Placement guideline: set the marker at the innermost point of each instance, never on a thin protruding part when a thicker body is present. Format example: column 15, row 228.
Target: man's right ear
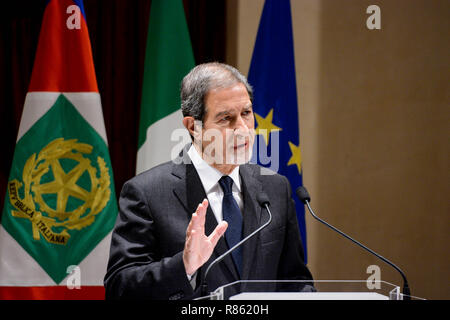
column 195, row 128
column 189, row 124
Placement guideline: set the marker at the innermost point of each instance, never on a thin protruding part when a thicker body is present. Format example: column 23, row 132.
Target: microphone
column 263, row 201
column 304, row 197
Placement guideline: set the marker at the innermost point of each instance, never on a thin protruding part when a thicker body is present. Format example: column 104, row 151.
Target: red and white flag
column 60, row 204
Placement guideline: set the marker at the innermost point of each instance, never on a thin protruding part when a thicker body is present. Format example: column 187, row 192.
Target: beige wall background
column 374, row 128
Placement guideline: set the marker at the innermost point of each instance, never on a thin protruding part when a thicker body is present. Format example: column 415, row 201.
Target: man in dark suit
column 176, row 218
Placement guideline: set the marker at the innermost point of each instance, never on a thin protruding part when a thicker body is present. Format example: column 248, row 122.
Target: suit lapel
column 252, row 216
column 190, row 192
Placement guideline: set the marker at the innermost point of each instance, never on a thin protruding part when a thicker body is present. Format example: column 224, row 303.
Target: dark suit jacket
column 155, row 209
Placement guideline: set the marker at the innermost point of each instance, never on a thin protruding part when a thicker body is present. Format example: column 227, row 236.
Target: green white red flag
column 60, row 204
column 168, row 58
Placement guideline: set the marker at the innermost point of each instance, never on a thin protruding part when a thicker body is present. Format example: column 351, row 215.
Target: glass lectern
column 301, row 290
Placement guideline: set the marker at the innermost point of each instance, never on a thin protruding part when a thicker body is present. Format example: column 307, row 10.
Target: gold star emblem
column 65, row 184
column 265, row 125
column 296, row 157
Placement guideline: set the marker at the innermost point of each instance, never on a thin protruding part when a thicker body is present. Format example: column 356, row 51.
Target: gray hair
column 203, row 78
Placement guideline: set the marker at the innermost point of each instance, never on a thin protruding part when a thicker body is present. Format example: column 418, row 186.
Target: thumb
column 218, row 232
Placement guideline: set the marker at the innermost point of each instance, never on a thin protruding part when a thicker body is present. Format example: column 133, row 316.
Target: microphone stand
column 406, row 290
column 204, row 285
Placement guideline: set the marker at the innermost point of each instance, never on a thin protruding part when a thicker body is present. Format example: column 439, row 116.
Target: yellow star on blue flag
column 272, row 76
column 265, row 125
column 296, row 157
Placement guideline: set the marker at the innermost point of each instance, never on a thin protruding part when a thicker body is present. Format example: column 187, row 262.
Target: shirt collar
column 208, row 175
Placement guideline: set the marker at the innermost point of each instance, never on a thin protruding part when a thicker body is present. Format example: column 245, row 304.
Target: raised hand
column 199, row 247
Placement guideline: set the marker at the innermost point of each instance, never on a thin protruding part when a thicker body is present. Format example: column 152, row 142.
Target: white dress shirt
column 210, row 177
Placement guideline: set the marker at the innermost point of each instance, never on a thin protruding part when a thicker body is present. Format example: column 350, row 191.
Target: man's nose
column 240, row 125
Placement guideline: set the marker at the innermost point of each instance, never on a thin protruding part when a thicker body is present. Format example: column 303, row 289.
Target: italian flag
column 168, row 58
column 60, row 204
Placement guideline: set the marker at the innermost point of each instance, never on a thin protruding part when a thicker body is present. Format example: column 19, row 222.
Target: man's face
column 228, row 127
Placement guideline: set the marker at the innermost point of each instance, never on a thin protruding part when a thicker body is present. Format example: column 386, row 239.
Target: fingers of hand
column 218, row 232
column 198, row 217
column 197, row 223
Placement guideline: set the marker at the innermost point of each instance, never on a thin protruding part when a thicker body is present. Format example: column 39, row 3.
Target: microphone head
column 262, row 198
column 303, row 194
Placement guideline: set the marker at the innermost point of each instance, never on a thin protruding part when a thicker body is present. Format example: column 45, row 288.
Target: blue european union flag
column 272, row 75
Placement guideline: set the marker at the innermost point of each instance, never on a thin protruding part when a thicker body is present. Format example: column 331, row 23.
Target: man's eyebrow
column 227, row 112
column 222, row 113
